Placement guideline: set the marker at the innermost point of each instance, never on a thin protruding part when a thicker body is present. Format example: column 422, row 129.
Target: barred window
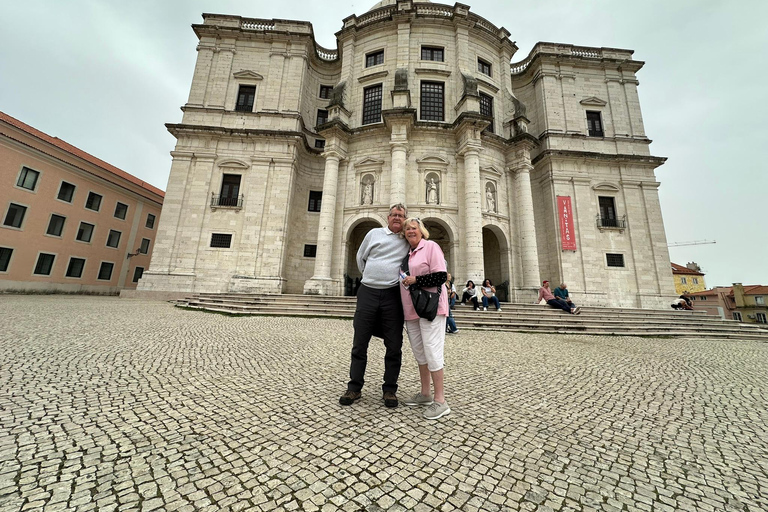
column 486, row 109
column 594, row 124
column 432, row 101
column 325, row 91
column 315, row 200
column 245, row 98
column 310, row 251
column 615, row 260
column 484, row 67
column 221, row 240
column 319, row 143
column 432, row 53
column 372, row 104
column 374, row 58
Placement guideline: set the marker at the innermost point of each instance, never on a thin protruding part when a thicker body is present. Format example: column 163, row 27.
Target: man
column 379, row 309
column 546, row 294
column 561, row 292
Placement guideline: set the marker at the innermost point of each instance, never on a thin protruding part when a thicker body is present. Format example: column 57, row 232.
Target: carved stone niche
column 432, row 188
column 367, row 179
column 491, row 177
column 432, row 170
column 491, row 197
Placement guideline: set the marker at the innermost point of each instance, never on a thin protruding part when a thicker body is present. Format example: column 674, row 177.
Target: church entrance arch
column 352, row 275
column 496, row 260
column 440, row 233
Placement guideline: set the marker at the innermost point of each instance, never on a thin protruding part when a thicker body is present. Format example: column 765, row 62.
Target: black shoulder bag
column 424, row 302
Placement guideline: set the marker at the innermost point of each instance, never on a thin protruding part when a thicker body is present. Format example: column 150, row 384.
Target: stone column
column 473, row 217
column 397, row 173
column 529, row 254
column 202, row 72
column 222, row 71
column 321, row 282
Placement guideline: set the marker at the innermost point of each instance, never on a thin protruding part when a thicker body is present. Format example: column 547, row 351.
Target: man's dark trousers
column 378, row 312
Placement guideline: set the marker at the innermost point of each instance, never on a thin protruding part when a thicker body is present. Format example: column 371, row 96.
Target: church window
column 230, row 190
column 607, row 212
column 325, row 91
column 486, row 109
column 221, row 240
column 594, row 124
column 322, row 116
column 432, row 101
column 319, row 143
column 310, row 251
column 615, row 260
column 432, row 53
column 484, row 67
column 372, row 104
column 245, row 98
column 315, row 200
column 374, row 58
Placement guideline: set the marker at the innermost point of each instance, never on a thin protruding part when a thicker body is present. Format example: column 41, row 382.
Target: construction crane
column 694, row 242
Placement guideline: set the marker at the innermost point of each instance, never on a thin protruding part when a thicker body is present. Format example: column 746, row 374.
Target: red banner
column 565, row 212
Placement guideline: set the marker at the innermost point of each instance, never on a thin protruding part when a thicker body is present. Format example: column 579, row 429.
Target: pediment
column 432, row 161
column 233, row 164
column 369, row 162
column 491, row 170
column 248, row 74
column 594, row 100
column 605, row 186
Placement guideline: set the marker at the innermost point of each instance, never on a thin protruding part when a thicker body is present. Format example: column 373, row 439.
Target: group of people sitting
column 559, row 299
column 486, row 296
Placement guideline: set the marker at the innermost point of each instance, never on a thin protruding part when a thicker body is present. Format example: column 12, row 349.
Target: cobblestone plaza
column 115, row 404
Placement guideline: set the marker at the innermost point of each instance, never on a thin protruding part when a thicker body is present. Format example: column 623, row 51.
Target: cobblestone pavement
column 109, row 404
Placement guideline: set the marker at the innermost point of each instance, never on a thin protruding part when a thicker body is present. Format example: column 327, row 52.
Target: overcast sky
column 106, row 75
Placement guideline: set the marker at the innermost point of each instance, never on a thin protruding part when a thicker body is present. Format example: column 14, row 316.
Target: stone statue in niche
column 490, row 199
column 432, row 192
column 367, row 192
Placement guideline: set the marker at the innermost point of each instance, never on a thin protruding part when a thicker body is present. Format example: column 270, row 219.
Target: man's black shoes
column 390, row 399
column 349, row 397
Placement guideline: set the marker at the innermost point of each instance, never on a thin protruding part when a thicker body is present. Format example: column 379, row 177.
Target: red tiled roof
column 756, row 289
column 79, row 153
column 679, row 269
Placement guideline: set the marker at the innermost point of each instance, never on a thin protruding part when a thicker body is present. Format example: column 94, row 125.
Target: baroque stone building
column 289, row 153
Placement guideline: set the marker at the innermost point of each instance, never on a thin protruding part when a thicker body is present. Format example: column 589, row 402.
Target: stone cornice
column 217, row 131
column 549, row 154
column 373, row 77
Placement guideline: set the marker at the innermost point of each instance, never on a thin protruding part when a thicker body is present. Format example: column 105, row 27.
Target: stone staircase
column 513, row 317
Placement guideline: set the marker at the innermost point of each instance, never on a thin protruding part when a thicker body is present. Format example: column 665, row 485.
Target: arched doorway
column 352, row 275
column 496, row 260
column 441, row 234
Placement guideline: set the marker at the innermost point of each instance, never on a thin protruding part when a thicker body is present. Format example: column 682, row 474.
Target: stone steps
column 513, row 317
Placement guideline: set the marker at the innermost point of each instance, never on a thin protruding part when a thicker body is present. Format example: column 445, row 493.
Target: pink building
column 738, row 302
column 69, row 221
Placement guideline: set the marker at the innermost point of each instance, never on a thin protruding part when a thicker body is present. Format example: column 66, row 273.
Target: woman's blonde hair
column 422, row 227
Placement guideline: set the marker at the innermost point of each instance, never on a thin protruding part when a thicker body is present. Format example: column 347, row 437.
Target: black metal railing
column 217, row 200
column 611, row 222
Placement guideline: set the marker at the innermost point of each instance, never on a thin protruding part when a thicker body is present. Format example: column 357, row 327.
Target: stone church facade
column 289, row 153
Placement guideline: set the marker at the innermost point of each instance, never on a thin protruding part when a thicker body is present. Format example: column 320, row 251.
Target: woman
column 489, row 295
column 469, row 293
column 426, row 269
column 450, row 290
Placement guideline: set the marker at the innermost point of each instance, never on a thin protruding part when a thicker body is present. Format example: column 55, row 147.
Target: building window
column 432, row 100
column 760, row 300
column 320, row 143
column 75, row 267
column 105, row 271
column 615, row 260
column 55, row 225
column 325, row 91
column 113, row 240
column 683, row 280
column 66, row 192
column 85, row 232
column 703, row 297
column 121, row 210
column 150, row 221
column 310, row 251
column 221, row 240
column 144, row 248
column 315, row 200
column 737, row 316
column 245, row 97
column 372, row 104
column 28, row 178
column 432, row 53
column 322, row 116
column 230, row 190
column 484, row 67
column 594, row 124
column 5, row 258
column 137, row 273
column 44, row 264
column 761, row 318
column 607, row 206
column 93, row 202
column 15, row 216
column 486, row 109
column 374, row 58
column 695, row 280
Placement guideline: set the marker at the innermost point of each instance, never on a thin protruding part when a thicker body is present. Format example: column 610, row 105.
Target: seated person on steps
column 546, row 294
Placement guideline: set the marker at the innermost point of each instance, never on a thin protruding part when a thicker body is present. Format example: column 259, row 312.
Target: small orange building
column 69, row 221
column 688, row 279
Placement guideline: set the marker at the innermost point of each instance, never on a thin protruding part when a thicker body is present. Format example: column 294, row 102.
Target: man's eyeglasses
column 397, row 215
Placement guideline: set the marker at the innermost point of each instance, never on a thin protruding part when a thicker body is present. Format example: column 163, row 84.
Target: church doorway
column 352, row 275
column 441, row 235
column 496, row 260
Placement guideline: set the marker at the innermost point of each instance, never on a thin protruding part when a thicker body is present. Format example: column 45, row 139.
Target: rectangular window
column 66, row 192
column 221, row 240
column 144, row 249
column 432, row 53
column 5, row 258
column 372, row 104
column 737, row 316
column 315, row 200
column 320, row 143
column 15, row 215
column 703, row 297
column 486, row 109
column 484, row 66
column 607, row 211
column 695, row 280
column 374, row 58
column 121, row 210
column 322, row 116
column 28, row 178
column 310, row 251
column 761, row 318
column 75, row 267
column 113, row 240
column 325, row 91
column 93, row 202
column 245, row 98
column 230, row 190
column 615, row 260
column 137, row 273
column 594, row 124
column 150, row 221
column 44, row 264
column 760, row 300
column 84, row 232
column 432, row 101
column 683, row 280
column 55, row 225
column 105, row 271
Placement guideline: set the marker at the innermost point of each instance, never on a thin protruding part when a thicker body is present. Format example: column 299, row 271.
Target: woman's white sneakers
column 437, row 410
column 418, row 399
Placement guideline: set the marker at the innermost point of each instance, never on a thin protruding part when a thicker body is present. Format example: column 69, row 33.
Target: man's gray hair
column 399, row 206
